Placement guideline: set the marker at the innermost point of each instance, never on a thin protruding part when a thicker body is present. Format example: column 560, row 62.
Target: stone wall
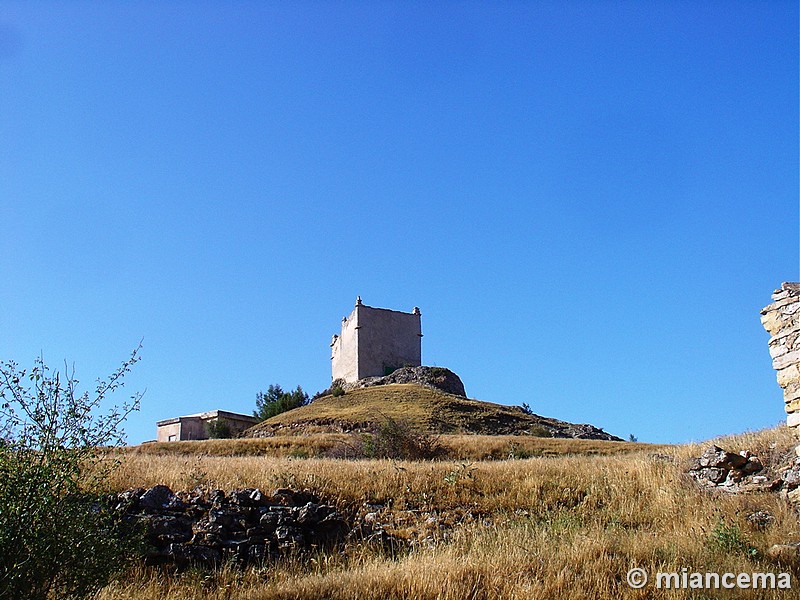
column 782, row 320
column 244, row 526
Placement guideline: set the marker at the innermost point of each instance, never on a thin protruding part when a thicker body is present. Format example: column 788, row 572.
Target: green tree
column 56, row 539
column 275, row 401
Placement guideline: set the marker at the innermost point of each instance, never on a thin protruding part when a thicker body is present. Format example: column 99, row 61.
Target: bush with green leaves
column 400, row 440
column 729, row 539
column 219, row 429
column 57, row 540
column 275, row 401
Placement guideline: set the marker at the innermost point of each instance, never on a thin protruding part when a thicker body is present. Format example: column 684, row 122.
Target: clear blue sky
column 589, row 201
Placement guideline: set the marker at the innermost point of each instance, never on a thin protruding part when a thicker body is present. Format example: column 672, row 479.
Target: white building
column 195, row 427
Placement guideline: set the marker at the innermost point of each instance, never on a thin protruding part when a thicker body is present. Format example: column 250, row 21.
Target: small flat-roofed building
column 196, row 427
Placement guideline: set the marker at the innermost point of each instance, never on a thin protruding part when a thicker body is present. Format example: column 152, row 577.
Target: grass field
column 566, row 525
column 455, row 446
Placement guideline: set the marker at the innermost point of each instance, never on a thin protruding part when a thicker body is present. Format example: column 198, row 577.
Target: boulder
column 160, row 497
column 434, row 377
column 716, row 457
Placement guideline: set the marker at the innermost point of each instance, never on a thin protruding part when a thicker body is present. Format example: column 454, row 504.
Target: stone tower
column 376, row 341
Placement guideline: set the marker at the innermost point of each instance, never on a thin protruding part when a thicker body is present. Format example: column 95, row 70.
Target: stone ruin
column 244, row 526
column 208, row 529
column 782, row 320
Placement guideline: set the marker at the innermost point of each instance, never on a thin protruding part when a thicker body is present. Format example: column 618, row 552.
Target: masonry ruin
column 782, row 320
column 376, row 341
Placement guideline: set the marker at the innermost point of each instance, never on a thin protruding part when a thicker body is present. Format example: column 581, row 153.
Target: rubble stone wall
column 782, row 320
column 245, row 526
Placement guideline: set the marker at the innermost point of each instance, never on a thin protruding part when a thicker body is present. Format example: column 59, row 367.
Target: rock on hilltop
column 433, row 377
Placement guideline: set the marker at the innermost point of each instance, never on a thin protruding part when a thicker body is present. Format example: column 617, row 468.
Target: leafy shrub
column 392, row 439
column 515, row 451
column 219, row 429
column 729, row 538
column 57, row 540
column 276, row 401
column 336, row 389
column 540, row 431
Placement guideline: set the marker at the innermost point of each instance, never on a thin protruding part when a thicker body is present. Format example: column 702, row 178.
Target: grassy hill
column 425, row 408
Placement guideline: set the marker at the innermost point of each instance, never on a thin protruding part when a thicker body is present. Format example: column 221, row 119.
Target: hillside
column 426, row 408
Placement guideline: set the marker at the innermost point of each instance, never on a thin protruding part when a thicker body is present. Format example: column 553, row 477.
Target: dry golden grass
column 456, row 446
column 425, row 408
column 547, row 527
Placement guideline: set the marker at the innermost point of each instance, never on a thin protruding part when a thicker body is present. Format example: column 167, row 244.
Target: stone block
column 780, row 294
column 789, row 308
column 779, row 349
column 792, row 406
column 772, row 321
column 785, row 301
column 791, row 392
column 781, row 336
column 790, row 374
column 792, row 342
column 793, row 419
column 786, row 360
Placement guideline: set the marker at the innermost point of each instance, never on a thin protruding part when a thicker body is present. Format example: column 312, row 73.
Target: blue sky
column 589, row 201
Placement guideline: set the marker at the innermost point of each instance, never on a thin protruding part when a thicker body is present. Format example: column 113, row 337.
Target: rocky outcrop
column 728, row 471
column 782, row 320
column 581, row 431
column 433, row 377
column 243, row 526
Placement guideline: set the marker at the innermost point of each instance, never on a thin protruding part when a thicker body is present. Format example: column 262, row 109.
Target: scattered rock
column 791, row 478
column 787, row 554
column 716, row 457
column 760, row 520
column 716, row 467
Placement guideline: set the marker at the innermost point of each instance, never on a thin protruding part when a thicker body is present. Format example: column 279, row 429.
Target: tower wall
column 375, row 342
column 344, row 350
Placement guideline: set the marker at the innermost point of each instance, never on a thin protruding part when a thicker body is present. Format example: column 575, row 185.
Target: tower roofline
column 414, row 311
